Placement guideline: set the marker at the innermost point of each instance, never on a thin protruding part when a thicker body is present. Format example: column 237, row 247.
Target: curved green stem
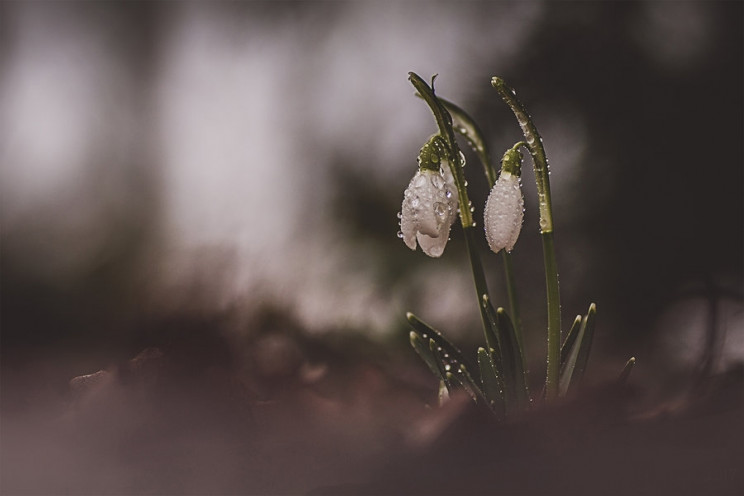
column 444, row 122
column 535, row 146
column 511, row 293
column 466, row 126
column 540, row 162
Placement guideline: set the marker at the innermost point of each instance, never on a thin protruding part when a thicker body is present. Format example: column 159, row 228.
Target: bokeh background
column 220, row 173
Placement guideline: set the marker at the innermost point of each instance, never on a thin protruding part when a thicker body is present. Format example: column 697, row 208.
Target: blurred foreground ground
column 290, row 415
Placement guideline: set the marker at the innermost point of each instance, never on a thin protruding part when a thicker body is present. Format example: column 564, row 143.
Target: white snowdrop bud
column 428, row 212
column 504, row 212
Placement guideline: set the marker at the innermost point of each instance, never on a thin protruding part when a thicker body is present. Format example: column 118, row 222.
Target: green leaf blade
column 422, row 348
column 573, row 370
column 442, row 357
column 451, row 354
column 492, row 385
column 516, row 361
column 570, row 339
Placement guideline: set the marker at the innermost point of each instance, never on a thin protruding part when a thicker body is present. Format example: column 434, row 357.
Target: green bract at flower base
column 428, row 211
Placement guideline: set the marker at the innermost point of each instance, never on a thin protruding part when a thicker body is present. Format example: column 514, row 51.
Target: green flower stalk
column 540, row 163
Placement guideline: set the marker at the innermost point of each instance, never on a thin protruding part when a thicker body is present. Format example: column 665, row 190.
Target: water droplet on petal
column 437, row 181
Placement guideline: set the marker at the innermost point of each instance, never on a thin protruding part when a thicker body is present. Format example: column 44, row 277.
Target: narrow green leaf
column 445, row 356
column 573, row 370
column 422, row 348
column 516, row 360
column 492, row 386
column 466, row 126
column 570, row 339
column 466, row 380
column 586, row 346
column 443, row 395
column 493, row 341
column 626, row 371
column 450, row 354
column 442, row 369
column 504, row 359
column 569, row 365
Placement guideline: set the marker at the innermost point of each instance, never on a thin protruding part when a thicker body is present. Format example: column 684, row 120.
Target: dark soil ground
column 287, row 416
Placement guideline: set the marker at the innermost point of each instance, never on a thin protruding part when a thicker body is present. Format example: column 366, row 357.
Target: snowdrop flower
column 429, row 203
column 505, row 206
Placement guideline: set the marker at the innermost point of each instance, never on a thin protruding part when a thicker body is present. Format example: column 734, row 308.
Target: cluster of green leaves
column 501, row 381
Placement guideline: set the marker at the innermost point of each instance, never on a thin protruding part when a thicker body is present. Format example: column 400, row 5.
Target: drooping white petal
column 504, row 213
column 407, row 224
column 427, row 212
column 434, row 247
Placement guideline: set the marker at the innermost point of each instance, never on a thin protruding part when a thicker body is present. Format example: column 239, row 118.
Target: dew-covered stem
column 540, row 163
column 511, row 292
column 455, row 158
column 536, row 149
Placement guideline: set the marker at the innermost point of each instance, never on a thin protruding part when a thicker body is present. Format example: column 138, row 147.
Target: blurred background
column 227, row 174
